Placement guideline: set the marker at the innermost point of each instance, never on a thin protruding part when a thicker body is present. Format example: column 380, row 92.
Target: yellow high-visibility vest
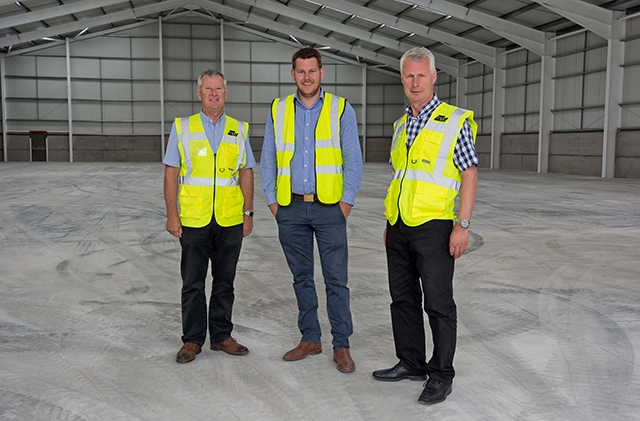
column 425, row 181
column 328, row 153
column 209, row 183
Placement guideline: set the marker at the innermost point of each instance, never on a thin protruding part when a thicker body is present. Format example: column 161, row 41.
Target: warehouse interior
column 548, row 294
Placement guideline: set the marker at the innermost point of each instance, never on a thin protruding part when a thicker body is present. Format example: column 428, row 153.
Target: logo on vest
column 202, row 152
column 232, row 133
column 441, row 118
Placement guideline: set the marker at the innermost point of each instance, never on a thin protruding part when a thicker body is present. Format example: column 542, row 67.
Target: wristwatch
column 248, row 213
column 464, row 223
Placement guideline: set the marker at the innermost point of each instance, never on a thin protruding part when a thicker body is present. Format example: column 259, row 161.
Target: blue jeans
column 297, row 225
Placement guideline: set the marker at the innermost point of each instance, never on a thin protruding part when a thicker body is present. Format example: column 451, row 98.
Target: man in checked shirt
column 433, row 158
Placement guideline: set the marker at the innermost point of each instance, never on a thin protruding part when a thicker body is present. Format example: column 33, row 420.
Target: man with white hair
column 433, row 158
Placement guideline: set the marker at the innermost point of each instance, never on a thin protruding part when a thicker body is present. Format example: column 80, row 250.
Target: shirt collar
column 426, row 110
column 320, row 99
column 207, row 120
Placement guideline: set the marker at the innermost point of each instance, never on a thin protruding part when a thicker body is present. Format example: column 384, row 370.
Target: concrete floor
column 548, row 298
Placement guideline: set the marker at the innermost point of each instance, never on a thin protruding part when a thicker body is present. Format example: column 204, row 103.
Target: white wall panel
column 203, row 49
column 285, row 73
column 21, row 66
column 259, row 114
column 56, row 88
column 237, row 51
column 565, row 92
column 239, row 111
column 394, row 94
column 631, row 116
column 264, row 94
column 265, row 72
column 176, row 48
column 593, row 119
column 144, row 47
column 239, row 92
column 85, row 90
column 211, row 31
column 533, row 97
column 180, row 90
column 146, row 112
column 102, row 47
column 596, row 59
column 48, row 110
column 120, row 111
column 146, row 69
column 84, row 67
column 51, row 66
column 594, row 89
column 352, row 93
column 116, row 90
column 177, row 69
column 330, row 71
column 237, row 72
column 271, row 52
column 21, row 88
column 83, row 110
column 117, row 69
column 348, row 74
column 22, row 109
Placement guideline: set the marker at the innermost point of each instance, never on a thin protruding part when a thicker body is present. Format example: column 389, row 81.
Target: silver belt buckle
column 308, row 198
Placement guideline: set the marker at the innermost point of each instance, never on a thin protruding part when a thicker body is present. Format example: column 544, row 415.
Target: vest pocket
column 429, row 201
column 191, row 201
column 233, row 201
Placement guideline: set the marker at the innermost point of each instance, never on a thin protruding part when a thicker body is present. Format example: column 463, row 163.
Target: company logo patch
column 232, row 133
column 441, row 118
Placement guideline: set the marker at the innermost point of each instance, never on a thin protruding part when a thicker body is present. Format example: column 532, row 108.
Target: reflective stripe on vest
column 328, row 153
column 209, row 184
column 425, row 181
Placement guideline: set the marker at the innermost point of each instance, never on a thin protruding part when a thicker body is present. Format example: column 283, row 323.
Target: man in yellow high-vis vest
column 311, row 166
column 208, row 190
column 434, row 158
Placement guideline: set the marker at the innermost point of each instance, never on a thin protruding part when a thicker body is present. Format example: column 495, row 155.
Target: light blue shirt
column 303, row 177
column 214, row 132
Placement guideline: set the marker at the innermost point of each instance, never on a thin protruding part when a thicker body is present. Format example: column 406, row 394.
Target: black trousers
column 420, row 266
column 221, row 246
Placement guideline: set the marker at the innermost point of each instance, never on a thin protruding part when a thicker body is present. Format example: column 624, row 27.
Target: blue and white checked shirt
column 464, row 154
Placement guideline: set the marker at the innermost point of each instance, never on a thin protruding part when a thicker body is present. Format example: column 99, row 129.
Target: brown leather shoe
column 303, row 350
column 230, row 346
column 188, row 352
column 342, row 358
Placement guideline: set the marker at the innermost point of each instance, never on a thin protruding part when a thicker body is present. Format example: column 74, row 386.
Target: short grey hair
column 212, row 73
column 417, row 54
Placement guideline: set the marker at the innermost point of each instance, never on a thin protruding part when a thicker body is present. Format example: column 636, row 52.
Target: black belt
column 305, row 197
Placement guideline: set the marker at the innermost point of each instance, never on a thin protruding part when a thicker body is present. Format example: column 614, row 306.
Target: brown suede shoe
column 303, row 350
column 342, row 358
column 230, row 346
column 188, row 352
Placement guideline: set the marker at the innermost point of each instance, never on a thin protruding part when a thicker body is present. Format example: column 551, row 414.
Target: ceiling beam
column 351, row 31
column 594, row 18
column 125, row 15
column 528, row 38
column 56, row 11
column 473, row 49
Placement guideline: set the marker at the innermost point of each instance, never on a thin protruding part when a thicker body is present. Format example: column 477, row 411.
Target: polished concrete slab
column 548, row 299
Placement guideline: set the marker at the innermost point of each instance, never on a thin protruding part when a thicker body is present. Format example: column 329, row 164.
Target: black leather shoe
column 434, row 391
column 395, row 373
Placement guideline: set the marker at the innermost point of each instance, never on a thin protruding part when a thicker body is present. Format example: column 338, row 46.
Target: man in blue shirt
column 311, row 166
column 209, row 173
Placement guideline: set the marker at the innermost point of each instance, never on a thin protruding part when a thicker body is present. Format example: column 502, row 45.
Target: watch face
column 464, row 223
